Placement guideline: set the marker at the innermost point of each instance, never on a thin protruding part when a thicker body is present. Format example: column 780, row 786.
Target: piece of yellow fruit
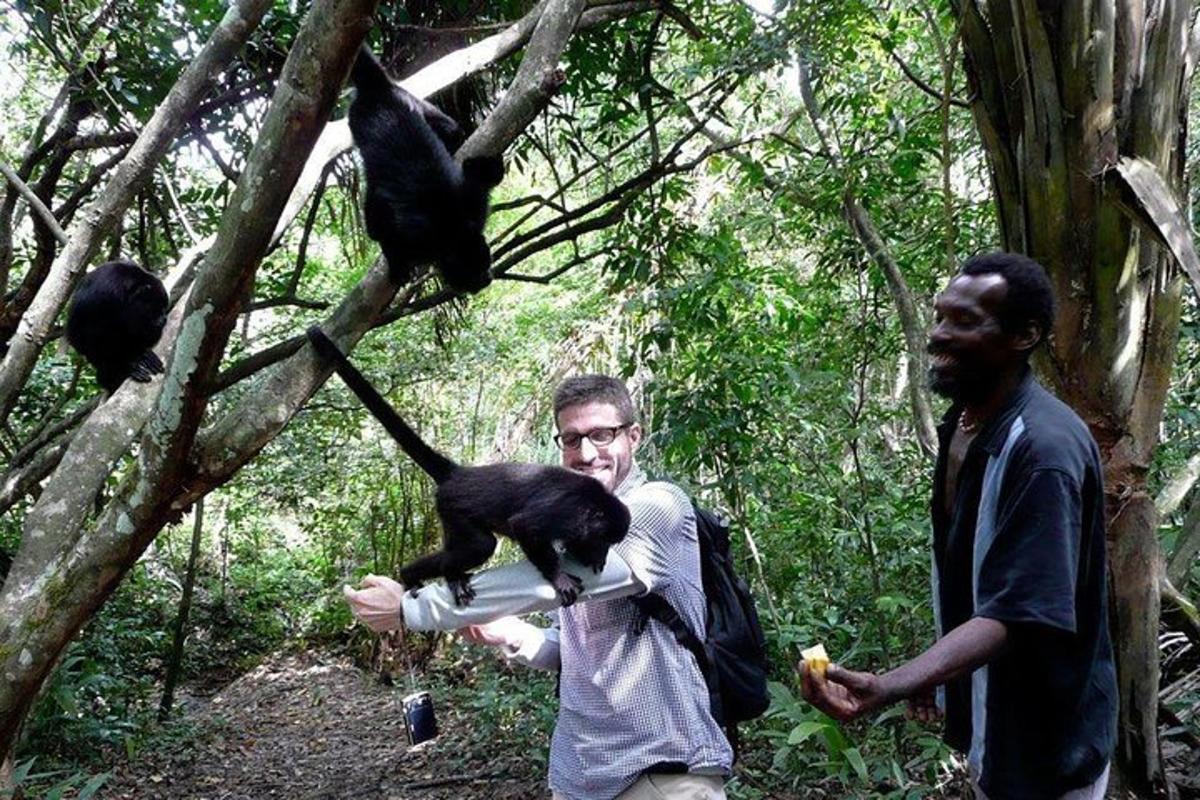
column 816, row 658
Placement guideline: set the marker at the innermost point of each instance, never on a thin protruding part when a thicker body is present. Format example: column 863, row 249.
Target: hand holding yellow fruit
column 817, row 659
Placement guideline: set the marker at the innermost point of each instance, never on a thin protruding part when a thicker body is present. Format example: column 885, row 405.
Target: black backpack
column 733, row 656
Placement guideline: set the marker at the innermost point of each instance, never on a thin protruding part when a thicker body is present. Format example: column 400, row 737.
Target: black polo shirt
column 1024, row 544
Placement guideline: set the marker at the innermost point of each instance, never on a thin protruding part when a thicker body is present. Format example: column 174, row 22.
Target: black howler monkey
column 534, row 504
column 421, row 206
column 116, row 316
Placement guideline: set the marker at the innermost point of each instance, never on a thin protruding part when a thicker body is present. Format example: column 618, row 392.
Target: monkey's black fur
column 534, row 504
column 421, row 206
column 116, row 316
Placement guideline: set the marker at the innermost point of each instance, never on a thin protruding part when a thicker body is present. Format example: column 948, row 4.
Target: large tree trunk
column 1064, row 93
column 69, row 563
column 66, row 568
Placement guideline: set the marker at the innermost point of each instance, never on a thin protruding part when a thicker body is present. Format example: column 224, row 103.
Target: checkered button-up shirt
column 629, row 702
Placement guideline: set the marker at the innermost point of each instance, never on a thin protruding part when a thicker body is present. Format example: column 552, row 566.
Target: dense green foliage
column 760, row 339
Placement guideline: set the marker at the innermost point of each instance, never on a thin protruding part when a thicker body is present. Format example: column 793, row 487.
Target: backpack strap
column 654, row 606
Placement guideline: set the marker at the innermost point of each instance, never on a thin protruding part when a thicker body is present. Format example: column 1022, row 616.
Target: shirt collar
column 995, row 433
column 633, row 480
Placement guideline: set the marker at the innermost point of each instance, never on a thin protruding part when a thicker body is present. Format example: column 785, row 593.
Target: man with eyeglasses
column 634, row 719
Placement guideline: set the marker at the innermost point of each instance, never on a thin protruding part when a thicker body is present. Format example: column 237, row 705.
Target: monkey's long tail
column 368, row 74
column 437, row 465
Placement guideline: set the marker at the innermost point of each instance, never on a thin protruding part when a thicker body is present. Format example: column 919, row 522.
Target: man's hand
column 923, row 707
column 504, row 632
column 377, row 604
column 843, row 694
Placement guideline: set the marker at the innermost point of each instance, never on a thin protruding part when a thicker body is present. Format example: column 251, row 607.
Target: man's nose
column 937, row 336
column 587, row 450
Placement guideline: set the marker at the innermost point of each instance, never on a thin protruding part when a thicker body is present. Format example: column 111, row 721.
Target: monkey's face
column 603, row 524
column 607, row 522
column 148, row 304
column 616, row 520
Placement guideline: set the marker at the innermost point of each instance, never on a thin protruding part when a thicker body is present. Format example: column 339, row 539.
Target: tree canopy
column 744, row 209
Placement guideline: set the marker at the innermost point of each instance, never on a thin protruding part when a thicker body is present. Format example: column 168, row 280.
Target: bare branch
column 257, row 362
column 302, row 252
column 681, row 19
column 229, row 172
column 88, row 232
column 539, row 199
column 286, row 300
column 52, row 432
column 868, row 235
column 921, row 84
column 537, row 79
column 22, row 481
column 35, row 202
column 1177, row 488
column 550, row 276
column 100, row 141
column 1187, row 546
column 67, row 210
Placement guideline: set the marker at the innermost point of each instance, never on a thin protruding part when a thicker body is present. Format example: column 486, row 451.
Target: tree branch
column 1177, row 488
column 537, row 79
column 550, row 276
column 230, row 174
column 67, row 210
column 864, row 229
column 100, row 141
column 1183, row 558
column 88, row 232
column 921, row 84
column 35, row 202
column 286, row 300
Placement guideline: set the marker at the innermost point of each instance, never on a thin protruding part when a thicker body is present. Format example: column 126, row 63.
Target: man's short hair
column 1030, row 295
column 583, row 389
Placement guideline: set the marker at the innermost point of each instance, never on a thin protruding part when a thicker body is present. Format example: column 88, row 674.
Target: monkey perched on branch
column 116, row 316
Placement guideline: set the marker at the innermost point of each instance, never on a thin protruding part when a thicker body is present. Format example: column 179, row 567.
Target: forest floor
column 313, row 726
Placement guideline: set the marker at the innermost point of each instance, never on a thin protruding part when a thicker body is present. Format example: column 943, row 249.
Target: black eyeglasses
column 600, row 437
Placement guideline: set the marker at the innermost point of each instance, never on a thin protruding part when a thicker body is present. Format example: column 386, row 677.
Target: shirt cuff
column 535, row 647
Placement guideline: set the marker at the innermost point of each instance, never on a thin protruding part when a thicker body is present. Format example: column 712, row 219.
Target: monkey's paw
column 567, row 587
column 146, row 367
column 462, row 591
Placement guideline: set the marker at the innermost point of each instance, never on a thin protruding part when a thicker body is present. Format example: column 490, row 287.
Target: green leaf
column 93, row 785
column 804, row 730
column 856, row 761
column 22, row 771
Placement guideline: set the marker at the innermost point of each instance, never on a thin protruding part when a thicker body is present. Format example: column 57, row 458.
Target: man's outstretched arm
column 510, row 590
column 846, row 695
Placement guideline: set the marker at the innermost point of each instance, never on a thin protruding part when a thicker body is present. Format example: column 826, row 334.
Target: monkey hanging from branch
column 421, row 205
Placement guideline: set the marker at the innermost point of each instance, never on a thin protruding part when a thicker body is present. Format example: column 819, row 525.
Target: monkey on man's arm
column 506, row 591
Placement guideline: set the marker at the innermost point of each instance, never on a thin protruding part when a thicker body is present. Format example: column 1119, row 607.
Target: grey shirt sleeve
column 513, row 590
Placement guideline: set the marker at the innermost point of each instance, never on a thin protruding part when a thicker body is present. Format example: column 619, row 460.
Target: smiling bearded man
column 1023, row 665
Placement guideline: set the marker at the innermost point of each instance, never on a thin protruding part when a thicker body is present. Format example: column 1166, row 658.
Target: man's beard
column 959, row 387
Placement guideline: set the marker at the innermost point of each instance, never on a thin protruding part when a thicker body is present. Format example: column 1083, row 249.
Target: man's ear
column 1029, row 338
column 635, row 436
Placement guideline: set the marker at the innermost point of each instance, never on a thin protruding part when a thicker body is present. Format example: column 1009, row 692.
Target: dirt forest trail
column 315, row 727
